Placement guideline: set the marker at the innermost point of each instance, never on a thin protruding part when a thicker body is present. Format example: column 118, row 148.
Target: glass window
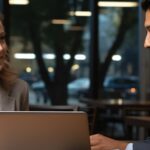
column 50, row 46
column 49, row 42
column 118, row 40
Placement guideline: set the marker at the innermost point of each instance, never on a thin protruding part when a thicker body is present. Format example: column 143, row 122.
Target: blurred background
column 72, row 49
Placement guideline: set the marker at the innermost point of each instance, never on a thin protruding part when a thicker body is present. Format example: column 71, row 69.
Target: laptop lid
column 44, row 131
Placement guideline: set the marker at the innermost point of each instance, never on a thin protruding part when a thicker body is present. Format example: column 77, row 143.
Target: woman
column 13, row 91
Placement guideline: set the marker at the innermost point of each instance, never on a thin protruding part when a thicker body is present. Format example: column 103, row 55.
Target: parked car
column 78, row 87
column 40, row 91
column 122, row 87
column 28, row 77
column 75, row 88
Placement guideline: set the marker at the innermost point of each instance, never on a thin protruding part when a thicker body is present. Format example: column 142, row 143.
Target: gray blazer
column 16, row 99
column 142, row 145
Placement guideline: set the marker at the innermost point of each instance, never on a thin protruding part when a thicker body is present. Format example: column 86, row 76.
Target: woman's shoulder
column 20, row 92
column 19, row 83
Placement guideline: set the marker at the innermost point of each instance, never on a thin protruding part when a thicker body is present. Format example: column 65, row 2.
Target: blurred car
column 28, row 77
column 75, row 88
column 38, row 86
column 78, row 87
column 122, row 87
column 40, row 91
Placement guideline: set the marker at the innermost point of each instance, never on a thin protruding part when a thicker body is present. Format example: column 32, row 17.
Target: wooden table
column 116, row 109
column 141, row 121
column 142, row 124
column 117, row 103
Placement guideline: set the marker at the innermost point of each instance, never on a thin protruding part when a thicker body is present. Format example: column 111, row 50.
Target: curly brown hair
column 7, row 74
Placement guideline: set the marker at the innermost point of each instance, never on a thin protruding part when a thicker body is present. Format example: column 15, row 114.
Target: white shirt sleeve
column 129, row 146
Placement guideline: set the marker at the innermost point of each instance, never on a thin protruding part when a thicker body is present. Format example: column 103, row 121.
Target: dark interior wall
column 1, row 5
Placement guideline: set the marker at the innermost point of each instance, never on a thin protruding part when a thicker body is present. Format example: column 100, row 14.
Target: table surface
column 143, row 121
column 118, row 103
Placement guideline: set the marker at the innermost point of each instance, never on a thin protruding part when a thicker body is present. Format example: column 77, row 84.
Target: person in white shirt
column 100, row 142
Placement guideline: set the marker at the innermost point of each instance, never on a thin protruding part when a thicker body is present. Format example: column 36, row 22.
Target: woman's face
column 3, row 46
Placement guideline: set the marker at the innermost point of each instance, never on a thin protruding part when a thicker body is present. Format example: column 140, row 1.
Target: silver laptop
column 44, row 131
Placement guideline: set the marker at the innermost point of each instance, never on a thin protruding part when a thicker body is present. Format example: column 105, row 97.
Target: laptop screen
column 44, row 131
